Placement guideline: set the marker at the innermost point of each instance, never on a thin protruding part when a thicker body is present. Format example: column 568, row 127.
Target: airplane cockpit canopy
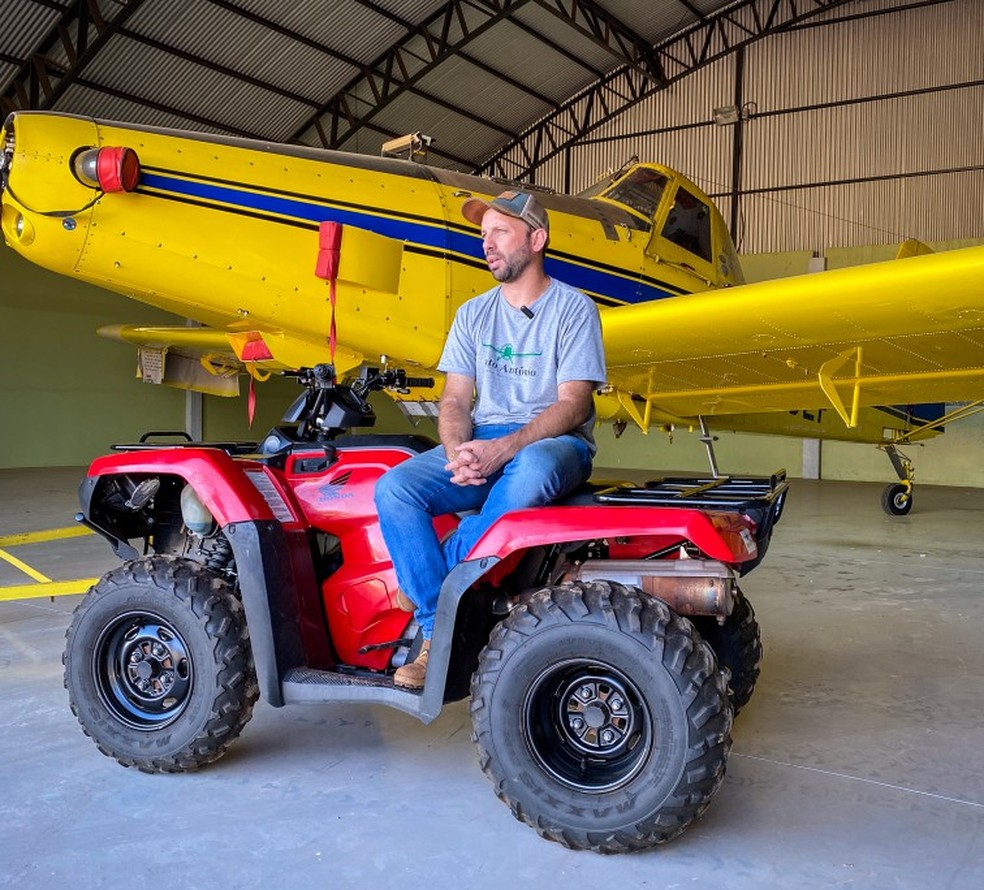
column 686, row 227
column 688, row 224
column 641, row 190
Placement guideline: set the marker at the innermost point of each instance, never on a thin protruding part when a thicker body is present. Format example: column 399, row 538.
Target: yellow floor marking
column 44, row 586
column 49, row 588
column 51, row 534
column 24, row 567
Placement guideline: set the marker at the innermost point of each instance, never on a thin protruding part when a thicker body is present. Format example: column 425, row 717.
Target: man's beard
column 513, row 266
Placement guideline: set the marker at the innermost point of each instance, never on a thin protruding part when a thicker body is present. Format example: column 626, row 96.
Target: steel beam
column 81, row 31
column 703, row 42
column 403, row 66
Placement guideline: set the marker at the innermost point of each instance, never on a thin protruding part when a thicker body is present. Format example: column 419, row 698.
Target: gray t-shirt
column 517, row 362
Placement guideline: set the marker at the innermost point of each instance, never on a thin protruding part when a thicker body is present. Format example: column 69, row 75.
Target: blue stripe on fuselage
column 437, row 237
column 916, row 415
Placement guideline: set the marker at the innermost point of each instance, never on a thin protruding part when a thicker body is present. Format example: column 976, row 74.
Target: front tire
column 601, row 717
column 158, row 666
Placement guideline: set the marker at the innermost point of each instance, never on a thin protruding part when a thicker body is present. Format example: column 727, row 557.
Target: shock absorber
column 219, row 559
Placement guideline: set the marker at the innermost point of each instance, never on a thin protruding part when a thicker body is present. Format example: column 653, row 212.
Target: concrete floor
column 858, row 763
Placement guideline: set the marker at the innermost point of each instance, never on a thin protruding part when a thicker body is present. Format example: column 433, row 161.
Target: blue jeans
column 411, row 494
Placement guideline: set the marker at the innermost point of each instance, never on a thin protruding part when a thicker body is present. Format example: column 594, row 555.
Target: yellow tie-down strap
column 42, row 585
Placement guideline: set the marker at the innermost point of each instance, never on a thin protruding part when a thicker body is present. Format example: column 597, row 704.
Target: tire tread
column 211, row 601
column 693, row 667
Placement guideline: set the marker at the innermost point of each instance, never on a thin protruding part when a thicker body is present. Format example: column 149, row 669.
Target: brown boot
column 404, row 602
column 411, row 676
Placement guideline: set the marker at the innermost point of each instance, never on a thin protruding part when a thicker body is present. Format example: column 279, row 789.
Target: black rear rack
column 731, row 493
column 758, row 498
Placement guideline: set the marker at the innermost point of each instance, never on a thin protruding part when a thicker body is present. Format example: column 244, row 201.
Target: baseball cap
column 521, row 205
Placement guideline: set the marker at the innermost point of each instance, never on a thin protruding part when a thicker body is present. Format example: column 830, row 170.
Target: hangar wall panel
column 672, row 128
column 905, row 50
column 919, row 134
column 861, row 131
column 938, row 208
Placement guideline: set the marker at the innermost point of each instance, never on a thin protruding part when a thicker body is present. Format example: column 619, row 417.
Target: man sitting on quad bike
column 531, row 351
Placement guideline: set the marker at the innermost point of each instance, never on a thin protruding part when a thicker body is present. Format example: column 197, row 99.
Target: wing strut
column 709, row 441
column 960, row 413
column 826, row 374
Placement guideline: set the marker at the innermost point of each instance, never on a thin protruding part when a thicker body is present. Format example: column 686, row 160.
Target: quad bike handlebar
column 328, row 408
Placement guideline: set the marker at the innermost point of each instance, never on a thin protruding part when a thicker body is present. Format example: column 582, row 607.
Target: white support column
column 193, row 415
column 813, row 448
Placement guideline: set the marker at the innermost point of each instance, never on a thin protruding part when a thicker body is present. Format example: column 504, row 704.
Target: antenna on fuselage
column 412, row 147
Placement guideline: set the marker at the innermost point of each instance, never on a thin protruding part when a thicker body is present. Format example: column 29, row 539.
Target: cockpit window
column 640, row 190
column 689, row 224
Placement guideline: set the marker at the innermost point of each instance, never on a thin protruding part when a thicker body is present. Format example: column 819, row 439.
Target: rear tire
column 158, row 665
column 738, row 646
column 601, row 717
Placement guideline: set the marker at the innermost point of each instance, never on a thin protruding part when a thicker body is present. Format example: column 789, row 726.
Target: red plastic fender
column 724, row 537
column 219, row 481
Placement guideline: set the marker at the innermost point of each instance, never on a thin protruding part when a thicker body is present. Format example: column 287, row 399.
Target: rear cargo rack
column 731, row 493
column 758, row 498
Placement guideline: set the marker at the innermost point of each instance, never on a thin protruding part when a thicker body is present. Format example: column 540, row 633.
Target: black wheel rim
column 142, row 670
column 587, row 725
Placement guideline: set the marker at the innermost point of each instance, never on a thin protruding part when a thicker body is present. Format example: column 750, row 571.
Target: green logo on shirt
column 506, row 352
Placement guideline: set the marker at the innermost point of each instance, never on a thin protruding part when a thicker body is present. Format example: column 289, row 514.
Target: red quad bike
column 603, row 640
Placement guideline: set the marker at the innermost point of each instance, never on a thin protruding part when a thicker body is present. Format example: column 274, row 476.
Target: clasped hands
column 473, row 462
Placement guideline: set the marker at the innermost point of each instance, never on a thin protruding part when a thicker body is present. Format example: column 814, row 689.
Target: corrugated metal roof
column 656, row 19
column 542, row 22
column 472, row 73
column 349, row 73
column 25, row 23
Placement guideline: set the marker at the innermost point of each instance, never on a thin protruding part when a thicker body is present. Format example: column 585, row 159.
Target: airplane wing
column 902, row 331
column 210, row 360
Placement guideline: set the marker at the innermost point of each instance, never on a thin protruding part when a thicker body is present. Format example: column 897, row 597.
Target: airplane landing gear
column 897, row 497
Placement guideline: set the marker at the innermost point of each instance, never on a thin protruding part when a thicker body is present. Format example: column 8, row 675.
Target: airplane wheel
column 897, row 499
column 601, row 717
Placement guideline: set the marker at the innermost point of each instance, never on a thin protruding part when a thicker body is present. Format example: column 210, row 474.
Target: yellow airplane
column 284, row 253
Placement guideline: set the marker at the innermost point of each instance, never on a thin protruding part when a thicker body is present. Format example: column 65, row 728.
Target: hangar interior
column 828, row 132
column 868, row 156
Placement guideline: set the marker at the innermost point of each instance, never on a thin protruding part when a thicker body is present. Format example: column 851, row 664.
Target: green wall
column 66, row 394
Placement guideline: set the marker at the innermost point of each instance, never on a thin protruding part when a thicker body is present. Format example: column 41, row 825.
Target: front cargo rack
column 181, row 439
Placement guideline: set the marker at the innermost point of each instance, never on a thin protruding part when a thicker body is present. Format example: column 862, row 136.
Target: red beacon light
column 110, row 169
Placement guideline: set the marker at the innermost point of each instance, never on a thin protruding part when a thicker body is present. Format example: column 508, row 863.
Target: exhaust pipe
column 688, row 586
